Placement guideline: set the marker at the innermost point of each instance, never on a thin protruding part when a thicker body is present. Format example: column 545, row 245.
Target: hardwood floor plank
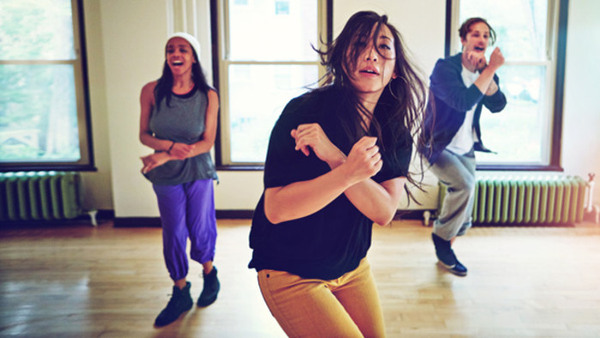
column 82, row 281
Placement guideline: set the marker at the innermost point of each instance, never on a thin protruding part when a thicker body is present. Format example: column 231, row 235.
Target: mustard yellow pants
column 344, row 307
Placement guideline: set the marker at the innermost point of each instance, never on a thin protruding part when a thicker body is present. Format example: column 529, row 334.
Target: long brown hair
column 402, row 103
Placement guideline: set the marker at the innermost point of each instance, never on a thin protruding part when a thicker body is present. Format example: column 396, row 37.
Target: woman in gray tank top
column 179, row 121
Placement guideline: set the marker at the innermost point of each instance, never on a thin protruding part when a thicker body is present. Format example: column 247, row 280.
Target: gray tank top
column 182, row 121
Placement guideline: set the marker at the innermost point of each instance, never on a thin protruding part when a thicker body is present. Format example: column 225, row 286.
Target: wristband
column 171, row 147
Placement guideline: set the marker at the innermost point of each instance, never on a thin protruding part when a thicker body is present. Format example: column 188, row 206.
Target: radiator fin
column 40, row 196
column 527, row 200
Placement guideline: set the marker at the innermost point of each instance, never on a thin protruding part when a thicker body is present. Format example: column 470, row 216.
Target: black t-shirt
column 333, row 240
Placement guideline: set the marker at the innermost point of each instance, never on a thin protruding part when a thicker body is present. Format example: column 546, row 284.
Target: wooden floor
column 81, row 281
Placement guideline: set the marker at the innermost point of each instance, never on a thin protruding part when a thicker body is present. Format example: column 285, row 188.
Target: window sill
column 518, row 167
column 245, row 167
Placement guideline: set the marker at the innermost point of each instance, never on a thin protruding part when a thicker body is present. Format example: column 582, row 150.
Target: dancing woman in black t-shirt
column 337, row 162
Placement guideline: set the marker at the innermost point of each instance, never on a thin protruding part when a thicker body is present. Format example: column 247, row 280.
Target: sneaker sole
column 176, row 319
column 208, row 303
column 451, row 269
column 212, row 300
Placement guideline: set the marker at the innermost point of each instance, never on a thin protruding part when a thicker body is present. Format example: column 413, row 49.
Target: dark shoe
column 446, row 256
column 457, row 269
column 210, row 290
column 180, row 302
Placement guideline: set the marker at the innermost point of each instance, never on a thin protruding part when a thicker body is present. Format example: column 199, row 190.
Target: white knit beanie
column 189, row 38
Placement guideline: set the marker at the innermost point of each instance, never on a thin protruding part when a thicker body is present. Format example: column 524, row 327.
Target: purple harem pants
column 187, row 210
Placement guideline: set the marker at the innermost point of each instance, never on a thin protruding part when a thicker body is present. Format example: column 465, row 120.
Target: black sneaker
column 210, row 290
column 457, row 269
column 446, row 256
column 180, row 302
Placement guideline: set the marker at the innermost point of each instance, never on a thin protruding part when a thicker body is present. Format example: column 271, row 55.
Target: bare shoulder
column 212, row 94
column 149, row 87
column 147, row 94
column 213, row 97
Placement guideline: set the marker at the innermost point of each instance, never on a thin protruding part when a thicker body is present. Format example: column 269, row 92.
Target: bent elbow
column 272, row 215
column 384, row 219
column 497, row 109
column 382, row 222
column 273, row 208
column 273, row 219
column 143, row 136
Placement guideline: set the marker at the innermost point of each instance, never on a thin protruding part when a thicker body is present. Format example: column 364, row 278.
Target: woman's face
column 477, row 38
column 179, row 56
column 372, row 71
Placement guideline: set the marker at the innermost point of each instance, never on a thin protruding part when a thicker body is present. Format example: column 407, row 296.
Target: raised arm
column 485, row 82
column 448, row 86
column 303, row 198
column 376, row 201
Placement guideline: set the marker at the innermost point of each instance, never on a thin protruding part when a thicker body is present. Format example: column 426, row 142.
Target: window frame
column 219, row 40
column 86, row 162
column 557, row 48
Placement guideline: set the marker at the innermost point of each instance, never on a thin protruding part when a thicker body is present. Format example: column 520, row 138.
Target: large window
column 526, row 134
column 266, row 58
column 43, row 116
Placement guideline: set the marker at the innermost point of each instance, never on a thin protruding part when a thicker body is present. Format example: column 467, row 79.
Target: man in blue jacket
column 460, row 84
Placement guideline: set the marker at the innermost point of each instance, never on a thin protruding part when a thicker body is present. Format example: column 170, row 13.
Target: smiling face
column 374, row 66
column 179, row 56
column 477, row 38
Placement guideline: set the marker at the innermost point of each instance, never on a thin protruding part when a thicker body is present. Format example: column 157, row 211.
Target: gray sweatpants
column 457, row 172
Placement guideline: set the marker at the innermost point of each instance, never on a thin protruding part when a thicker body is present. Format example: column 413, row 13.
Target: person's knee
column 463, row 230
column 463, row 183
column 470, row 182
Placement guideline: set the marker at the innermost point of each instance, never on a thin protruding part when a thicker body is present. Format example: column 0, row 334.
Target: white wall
column 127, row 38
column 97, row 184
column 581, row 121
column 133, row 34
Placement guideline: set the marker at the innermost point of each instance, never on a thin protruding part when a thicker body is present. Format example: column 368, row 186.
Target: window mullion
column 545, row 63
column 263, row 63
column 240, row 77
